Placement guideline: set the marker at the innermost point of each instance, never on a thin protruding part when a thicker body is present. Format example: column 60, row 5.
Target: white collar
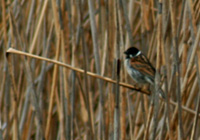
column 138, row 53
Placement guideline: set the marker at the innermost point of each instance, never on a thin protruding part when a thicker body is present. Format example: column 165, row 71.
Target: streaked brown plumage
column 139, row 67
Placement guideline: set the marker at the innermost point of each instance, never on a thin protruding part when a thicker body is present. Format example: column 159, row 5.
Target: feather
column 142, row 64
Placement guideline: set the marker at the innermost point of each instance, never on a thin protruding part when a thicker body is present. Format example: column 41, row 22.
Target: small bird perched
column 139, row 68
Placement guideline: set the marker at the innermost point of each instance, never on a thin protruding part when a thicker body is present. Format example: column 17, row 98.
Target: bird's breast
column 135, row 74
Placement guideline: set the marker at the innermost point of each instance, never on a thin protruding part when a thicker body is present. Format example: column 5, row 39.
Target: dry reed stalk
column 53, row 91
column 117, row 68
column 160, row 30
column 88, row 98
column 4, row 22
column 198, row 100
column 157, row 75
column 64, row 88
column 70, row 96
column 15, row 35
column 129, row 116
column 127, row 21
column 32, row 47
column 117, row 132
column 53, row 86
column 15, row 100
column 96, row 51
column 191, row 60
column 150, row 113
column 93, row 75
column 11, row 50
column 176, row 65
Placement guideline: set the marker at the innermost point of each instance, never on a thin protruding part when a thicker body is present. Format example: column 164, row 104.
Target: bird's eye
column 130, row 55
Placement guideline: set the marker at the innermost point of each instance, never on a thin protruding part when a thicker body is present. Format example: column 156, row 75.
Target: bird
column 140, row 68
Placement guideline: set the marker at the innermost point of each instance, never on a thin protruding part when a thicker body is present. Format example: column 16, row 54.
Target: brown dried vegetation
column 47, row 93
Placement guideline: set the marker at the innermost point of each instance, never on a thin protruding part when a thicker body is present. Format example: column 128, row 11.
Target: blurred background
column 40, row 100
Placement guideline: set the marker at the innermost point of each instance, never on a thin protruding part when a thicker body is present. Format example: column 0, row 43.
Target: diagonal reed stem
column 14, row 51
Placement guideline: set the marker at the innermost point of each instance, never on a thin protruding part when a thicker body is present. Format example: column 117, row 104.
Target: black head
column 132, row 52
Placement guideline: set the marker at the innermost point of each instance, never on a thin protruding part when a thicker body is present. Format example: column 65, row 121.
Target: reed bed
column 62, row 72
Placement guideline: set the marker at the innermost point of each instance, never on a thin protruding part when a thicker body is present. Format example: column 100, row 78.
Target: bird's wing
column 142, row 64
